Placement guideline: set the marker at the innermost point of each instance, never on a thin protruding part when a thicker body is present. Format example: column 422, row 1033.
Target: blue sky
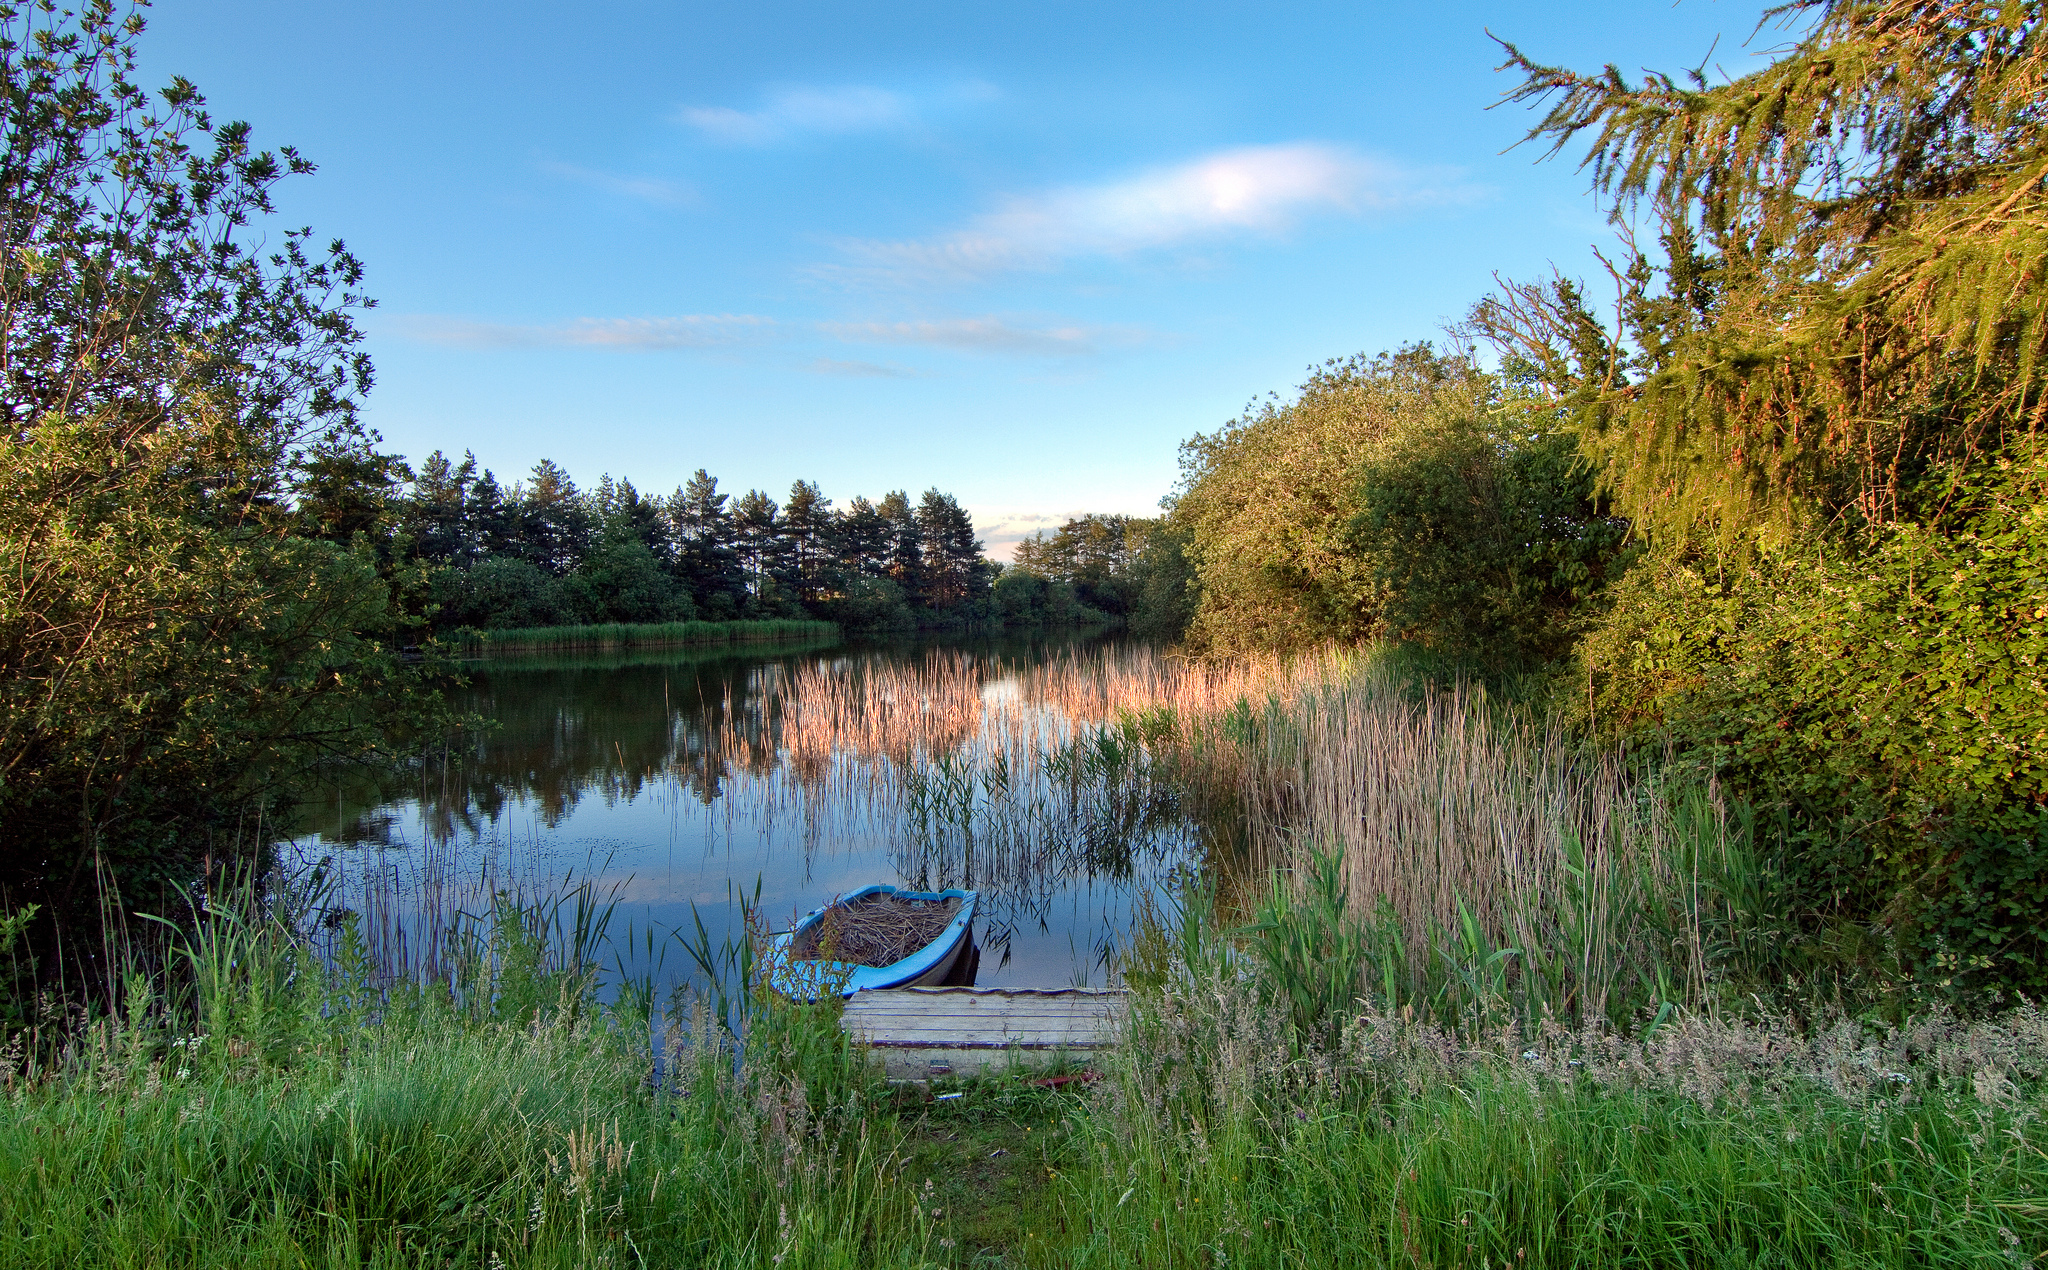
column 1018, row 252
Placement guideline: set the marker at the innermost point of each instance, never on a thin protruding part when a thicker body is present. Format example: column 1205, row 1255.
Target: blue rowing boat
column 927, row 966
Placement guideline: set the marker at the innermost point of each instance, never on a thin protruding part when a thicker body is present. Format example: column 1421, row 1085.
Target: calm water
column 660, row 778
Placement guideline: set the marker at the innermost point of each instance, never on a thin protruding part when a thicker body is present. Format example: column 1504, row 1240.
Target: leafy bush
column 1887, row 693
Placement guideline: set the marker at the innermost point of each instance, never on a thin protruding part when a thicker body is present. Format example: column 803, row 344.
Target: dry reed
column 874, row 930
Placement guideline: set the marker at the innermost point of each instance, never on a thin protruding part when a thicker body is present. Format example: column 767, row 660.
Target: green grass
column 618, row 635
column 986, row 1166
column 257, row 1104
column 282, row 1109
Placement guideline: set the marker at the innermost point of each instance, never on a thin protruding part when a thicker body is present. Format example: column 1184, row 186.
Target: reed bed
column 1471, row 833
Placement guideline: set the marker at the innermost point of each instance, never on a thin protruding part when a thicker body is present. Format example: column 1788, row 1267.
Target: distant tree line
column 543, row 552
column 1101, row 570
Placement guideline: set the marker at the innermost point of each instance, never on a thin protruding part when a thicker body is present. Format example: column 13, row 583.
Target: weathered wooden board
column 922, row 1032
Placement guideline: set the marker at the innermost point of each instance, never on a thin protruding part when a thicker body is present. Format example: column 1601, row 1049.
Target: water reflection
column 676, row 778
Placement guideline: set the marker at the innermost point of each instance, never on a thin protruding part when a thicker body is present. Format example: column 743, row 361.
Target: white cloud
column 709, row 330
column 796, row 110
column 985, row 335
column 1255, row 189
column 646, row 189
column 624, row 334
column 860, row 370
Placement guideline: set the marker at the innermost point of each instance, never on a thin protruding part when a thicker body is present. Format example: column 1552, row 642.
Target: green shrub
column 1887, row 694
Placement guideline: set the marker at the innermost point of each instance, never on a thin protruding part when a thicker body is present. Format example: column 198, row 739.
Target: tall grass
column 1220, row 1141
column 1481, row 840
column 619, row 635
column 274, row 1105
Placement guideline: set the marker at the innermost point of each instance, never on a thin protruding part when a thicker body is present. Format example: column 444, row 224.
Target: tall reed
column 1501, row 842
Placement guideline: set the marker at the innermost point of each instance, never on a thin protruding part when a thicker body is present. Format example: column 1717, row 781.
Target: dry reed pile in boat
column 874, row 930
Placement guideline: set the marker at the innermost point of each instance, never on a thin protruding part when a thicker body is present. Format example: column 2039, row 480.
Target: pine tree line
column 544, row 552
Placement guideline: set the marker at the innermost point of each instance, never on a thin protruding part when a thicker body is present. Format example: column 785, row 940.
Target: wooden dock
column 919, row 1033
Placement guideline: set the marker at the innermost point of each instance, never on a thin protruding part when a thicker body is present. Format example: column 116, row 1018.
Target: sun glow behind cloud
column 1255, row 190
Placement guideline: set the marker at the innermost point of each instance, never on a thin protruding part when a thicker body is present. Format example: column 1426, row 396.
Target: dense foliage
column 1822, row 395
column 172, row 648
column 1096, row 570
column 1778, row 516
column 545, row 553
column 1401, row 496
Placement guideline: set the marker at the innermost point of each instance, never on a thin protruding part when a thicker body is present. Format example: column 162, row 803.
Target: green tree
column 1487, row 537
column 438, row 509
column 902, row 547
column 551, row 523
column 1268, row 501
column 1821, row 395
column 702, row 529
column 807, row 524
column 953, row 569
column 174, row 651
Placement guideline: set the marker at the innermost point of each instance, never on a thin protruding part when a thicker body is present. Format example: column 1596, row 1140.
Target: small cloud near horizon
column 645, row 189
column 861, row 370
column 986, row 335
column 1259, row 190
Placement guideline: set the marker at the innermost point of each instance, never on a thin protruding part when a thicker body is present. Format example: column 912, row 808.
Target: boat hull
column 929, row 966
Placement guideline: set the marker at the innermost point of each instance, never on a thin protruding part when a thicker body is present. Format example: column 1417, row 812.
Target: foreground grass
column 436, row 1138
column 433, row 1141
column 617, row 635
column 1712, row 1145
column 289, row 1109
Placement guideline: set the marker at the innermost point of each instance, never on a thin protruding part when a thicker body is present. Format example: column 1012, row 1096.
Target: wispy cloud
column 795, row 110
column 861, row 370
column 986, row 335
column 654, row 334
column 1259, row 190
column 645, row 189
column 994, row 335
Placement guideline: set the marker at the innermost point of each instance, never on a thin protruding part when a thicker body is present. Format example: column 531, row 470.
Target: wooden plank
column 968, row 1031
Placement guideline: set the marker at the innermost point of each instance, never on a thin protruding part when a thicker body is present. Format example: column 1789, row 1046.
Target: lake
column 676, row 781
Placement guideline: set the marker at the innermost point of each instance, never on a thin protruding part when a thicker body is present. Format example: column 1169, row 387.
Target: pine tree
column 807, row 526
column 1848, row 290
column 437, row 509
column 552, row 522
column 757, row 536
column 706, row 563
column 903, row 547
column 862, row 537
column 950, row 553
